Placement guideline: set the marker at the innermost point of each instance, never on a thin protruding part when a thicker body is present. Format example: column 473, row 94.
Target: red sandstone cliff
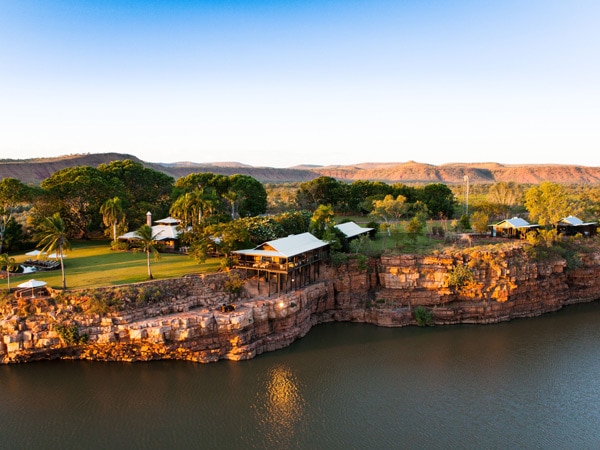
column 187, row 322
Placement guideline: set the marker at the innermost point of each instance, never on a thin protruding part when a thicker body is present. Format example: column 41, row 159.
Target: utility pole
column 466, row 178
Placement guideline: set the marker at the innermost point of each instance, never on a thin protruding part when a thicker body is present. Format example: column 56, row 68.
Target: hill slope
column 35, row 170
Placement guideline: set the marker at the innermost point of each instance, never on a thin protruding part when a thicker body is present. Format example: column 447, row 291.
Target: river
column 529, row 383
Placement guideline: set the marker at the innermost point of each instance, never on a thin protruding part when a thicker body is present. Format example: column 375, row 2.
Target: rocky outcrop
column 186, row 318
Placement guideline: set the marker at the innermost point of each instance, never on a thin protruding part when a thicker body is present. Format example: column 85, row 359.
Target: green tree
column 148, row 244
column 228, row 236
column 113, row 214
column 359, row 191
column 439, row 199
column 250, row 195
column 12, row 193
column 77, row 193
column 390, row 209
column 232, row 198
column 321, row 219
column 320, row 191
column 479, row 221
column 9, row 264
column 294, row 222
column 504, row 196
column 140, row 188
column 184, row 208
column 547, row 203
column 52, row 235
column 261, row 229
column 414, row 228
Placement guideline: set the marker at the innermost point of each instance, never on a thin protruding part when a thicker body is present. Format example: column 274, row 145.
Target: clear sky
column 279, row 83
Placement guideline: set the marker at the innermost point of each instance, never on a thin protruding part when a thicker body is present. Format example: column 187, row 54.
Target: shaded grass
column 94, row 264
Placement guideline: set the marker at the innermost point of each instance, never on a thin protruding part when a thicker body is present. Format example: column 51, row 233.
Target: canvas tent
column 352, row 230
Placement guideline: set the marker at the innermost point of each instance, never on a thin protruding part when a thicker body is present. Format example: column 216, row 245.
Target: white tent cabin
column 167, row 232
column 352, row 230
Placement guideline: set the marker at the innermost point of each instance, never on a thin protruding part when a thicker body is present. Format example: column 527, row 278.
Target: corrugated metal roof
column 515, row 222
column 255, row 252
column 574, row 221
column 352, row 229
column 286, row 247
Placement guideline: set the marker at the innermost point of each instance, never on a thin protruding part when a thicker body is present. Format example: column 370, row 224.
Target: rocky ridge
column 36, row 170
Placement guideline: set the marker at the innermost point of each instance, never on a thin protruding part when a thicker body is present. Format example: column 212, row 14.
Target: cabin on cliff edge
column 570, row 226
column 352, row 230
column 289, row 262
column 516, row 228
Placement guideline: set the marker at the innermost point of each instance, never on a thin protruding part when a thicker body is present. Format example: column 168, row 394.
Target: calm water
column 531, row 383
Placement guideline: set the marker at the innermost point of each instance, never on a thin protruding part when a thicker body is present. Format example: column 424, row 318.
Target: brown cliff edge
column 182, row 318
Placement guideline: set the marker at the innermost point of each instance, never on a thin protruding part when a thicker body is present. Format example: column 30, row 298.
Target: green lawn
column 93, row 264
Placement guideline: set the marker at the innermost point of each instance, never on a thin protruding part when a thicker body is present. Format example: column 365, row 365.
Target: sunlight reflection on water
column 280, row 407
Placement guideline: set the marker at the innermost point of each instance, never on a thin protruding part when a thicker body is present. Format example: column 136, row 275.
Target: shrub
column 375, row 228
column 337, row 259
column 460, row 276
column 119, row 246
column 69, row 334
column 226, row 263
column 234, row 283
column 423, row 316
column 362, row 262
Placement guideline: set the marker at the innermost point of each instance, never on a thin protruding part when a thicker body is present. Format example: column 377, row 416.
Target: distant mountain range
column 35, row 170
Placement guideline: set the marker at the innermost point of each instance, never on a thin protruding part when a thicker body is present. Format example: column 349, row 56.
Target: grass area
column 94, row 264
column 400, row 242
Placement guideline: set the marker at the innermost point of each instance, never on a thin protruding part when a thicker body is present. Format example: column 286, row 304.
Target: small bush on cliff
column 234, row 283
column 362, row 262
column 546, row 238
column 226, row 263
column 423, row 316
column 69, row 334
column 459, row 276
column 337, row 259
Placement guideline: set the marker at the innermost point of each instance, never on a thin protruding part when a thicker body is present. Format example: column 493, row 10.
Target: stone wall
column 187, row 321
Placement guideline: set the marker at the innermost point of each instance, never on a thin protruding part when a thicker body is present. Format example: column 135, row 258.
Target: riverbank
column 184, row 319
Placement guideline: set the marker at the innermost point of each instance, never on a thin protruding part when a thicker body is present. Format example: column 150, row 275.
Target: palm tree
column 9, row 264
column 232, row 198
column 113, row 214
column 52, row 235
column 148, row 244
column 183, row 208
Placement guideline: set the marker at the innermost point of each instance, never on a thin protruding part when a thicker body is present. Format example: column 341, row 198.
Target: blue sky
column 281, row 83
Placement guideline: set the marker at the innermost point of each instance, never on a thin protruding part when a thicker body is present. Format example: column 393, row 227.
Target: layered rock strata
column 184, row 318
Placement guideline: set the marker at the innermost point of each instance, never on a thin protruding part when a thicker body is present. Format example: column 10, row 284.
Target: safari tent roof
column 162, row 233
column 515, row 222
column 168, row 221
column 574, row 221
column 351, row 229
column 287, row 247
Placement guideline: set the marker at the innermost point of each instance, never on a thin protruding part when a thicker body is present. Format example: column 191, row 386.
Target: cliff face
column 184, row 320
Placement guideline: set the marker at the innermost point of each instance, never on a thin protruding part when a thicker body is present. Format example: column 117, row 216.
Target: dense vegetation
column 222, row 213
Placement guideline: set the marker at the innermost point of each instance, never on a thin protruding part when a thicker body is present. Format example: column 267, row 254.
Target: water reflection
column 280, row 408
